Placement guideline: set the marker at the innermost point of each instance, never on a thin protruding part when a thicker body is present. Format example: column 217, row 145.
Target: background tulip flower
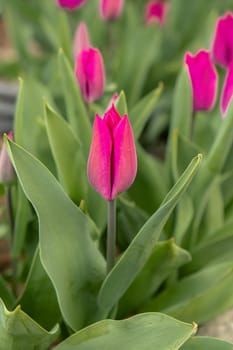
column 223, row 41
column 81, row 39
column 227, row 91
column 204, row 80
column 156, row 11
column 7, row 173
column 70, row 4
column 90, row 74
column 112, row 163
column 111, row 9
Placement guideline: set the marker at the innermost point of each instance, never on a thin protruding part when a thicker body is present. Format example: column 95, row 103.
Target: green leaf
column 6, row 294
column 145, row 331
column 166, row 258
column 65, row 240
column 121, row 104
column 200, row 296
column 39, row 299
column 138, row 252
column 206, row 343
column 75, row 108
column 142, row 110
column 18, row 331
column 67, row 155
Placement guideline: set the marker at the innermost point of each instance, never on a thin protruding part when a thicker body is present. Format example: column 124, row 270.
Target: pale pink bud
column 156, row 11
column 223, row 41
column 227, row 91
column 204, row 80
column 7, row 173
column 112, row 162
column 111, row 9
column 81, row 39
column 90, row 74
column 70, row 4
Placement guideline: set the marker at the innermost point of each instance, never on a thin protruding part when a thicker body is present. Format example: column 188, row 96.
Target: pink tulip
column 156, row 11
column 70, row 4
column 223, row 41
column 90, row 74
column 7, row 173
column 204, row 80
column 81, row 39
column 227, row 91
column 111, row 9
column 112, row 163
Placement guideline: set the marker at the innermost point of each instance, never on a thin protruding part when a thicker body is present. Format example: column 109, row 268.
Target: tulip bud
column 156, row 11
column 227, row 91
column 90, row 74
column 111, row 9
column 204, row 80
column 70, row 4
column 112, row 162
column 223, row 41
column 7, row 173
column 81, row 39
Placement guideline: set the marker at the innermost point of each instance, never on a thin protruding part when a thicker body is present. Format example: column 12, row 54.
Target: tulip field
column 116, row 174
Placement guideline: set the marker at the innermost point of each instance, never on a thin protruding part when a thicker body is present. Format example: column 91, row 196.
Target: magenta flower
column 90, row 74
column 227, row 91
column 112, row 163
column 111, row 9
column 223, row 41
column 81, row 39
column 70, row 4
column 204, row 80
column 7, row 173
column 156, row 11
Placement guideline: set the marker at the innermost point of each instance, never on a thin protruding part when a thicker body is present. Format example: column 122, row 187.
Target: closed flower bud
column 156, row 11
column 90, row 74
column 81, row 39
column 222, row 50
column 70, row 4
column 7, row 173
column 227, row 91
column 112, row 162
column 204, row 80
column 111, row 9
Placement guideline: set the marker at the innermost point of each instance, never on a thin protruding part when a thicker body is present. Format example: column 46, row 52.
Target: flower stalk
column 111, row 235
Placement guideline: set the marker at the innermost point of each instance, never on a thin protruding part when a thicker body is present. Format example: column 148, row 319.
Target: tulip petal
column 70, row 4
column 99, row 161
column 124, row 163
column 112, row 117
column 156, row 11
column 111, row 9
column 81, row 39
column 227, row 91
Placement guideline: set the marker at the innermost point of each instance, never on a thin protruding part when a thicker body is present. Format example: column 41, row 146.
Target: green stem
column 12, row 227
column 111, row 235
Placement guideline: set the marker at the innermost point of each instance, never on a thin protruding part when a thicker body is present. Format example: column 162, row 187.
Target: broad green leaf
column 135, row 257
column 183, row 218
column 6, row 293
column 143, row 109
column 200, row 296
column 67, row 155
column 39, row 299
column 145, row 331
column 206, row 343
column 166, row 258
column 65, row 240
column 18, row 331
column 75, row 108
column 214, row 217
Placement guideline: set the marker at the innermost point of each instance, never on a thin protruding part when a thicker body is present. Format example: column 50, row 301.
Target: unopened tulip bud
column 204, row 80
column 156, row 11
column 7, row 173
column 112, row 162
column 222, row 50
column 70, row 4
column 81, row 39
column 227, row 91
column 90, row 74
column 111, row 9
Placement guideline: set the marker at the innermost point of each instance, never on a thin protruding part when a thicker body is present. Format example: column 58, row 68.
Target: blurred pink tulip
column 112, row 163
column 70, row 4
column 90, row 74
column 156, row 11
column 81, row 39
column 227, row 91
column 111, row 9
column 7, row 173
column 204, row 80
column 223, row 41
